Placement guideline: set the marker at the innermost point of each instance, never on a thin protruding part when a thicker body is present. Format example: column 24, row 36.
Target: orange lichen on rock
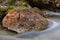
column 11, row 11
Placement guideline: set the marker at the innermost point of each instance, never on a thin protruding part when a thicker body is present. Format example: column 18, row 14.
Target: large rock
column 25, row 20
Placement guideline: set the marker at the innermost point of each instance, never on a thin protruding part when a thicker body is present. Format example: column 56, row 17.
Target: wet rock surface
column 25, row 20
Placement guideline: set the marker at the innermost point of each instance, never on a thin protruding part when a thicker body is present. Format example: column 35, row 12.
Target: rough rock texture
column 25, row 20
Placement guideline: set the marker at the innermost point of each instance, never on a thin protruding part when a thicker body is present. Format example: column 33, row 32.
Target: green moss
column 11, row 7
column 20, row 3
column 10, row 2
column 3, row 11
